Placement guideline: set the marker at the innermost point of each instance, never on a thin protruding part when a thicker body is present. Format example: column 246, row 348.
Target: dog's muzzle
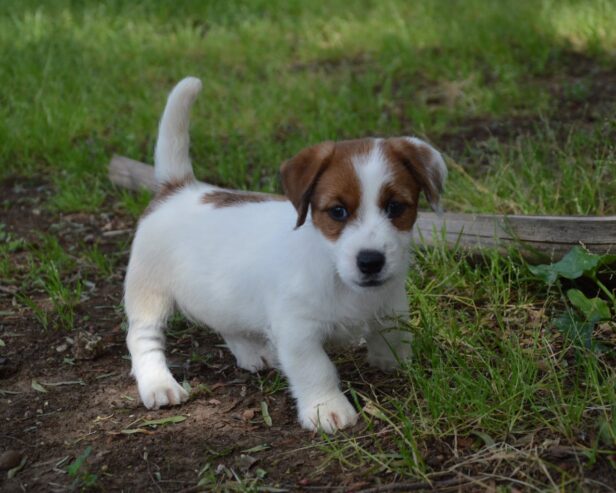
column 370, row 263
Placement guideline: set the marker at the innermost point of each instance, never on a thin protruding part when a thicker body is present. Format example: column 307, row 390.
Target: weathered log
column 537, row 236
column 131, row 174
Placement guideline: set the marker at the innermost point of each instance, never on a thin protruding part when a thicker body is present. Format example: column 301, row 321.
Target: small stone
column 10, row 459
column 89, row 284
column 88, row 346
column 245, row 462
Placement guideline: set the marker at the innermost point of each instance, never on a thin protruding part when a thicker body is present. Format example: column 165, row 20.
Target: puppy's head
column 362, row 196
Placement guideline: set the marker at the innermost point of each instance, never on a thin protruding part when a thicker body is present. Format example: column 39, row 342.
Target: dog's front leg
column 388, row 343
column 313, row 379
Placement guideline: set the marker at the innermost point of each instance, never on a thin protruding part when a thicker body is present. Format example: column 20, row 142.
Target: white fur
column 274, row 292
column 373, row 230
column 171, row 158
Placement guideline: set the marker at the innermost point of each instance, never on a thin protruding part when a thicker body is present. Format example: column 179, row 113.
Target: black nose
column 370, row 261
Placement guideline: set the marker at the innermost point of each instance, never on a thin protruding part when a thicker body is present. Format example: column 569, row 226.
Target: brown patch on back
column 230, row 198
column 337, row 185
column 165, row 191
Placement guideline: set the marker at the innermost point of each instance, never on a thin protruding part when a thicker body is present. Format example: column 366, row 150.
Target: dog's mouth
column 371, row 283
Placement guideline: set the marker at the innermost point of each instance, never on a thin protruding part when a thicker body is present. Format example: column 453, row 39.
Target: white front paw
column 329, row 414
column 159, row 388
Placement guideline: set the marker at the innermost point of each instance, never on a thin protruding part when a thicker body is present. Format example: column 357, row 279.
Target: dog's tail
column 172, row 158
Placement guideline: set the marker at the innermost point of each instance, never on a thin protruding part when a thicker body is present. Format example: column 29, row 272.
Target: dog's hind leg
column 147, row 312
column 389, row 345
column 251, row 353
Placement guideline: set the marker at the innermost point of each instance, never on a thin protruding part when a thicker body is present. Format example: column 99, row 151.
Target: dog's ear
column 300, row 174
column 423, row 162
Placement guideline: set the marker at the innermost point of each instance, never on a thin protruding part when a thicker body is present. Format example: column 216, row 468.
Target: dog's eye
column 338, row 213
column 394, row 209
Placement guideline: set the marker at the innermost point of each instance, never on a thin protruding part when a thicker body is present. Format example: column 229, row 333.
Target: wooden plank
column 537, row 236
column 558, row 229
column 128, row 173
column 551, row 236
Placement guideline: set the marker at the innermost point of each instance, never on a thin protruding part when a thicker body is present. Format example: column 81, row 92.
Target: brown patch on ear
column 338, row 185
column 322, row 177
column 165, row 191
column 418, row 160
column 300, row 174
column 230, row 198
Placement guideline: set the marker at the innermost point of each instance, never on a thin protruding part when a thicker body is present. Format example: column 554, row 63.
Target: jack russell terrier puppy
column 277, row 277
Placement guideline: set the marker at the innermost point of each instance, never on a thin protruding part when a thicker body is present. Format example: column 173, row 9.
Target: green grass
column 83, row 80
column 52, row 295
column 486, row 366
column 546, row 173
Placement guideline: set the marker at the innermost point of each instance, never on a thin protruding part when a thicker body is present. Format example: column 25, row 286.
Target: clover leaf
column 577, row 263
column 594, row 309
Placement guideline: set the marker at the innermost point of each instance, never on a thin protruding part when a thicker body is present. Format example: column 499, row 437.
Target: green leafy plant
column 582, row 314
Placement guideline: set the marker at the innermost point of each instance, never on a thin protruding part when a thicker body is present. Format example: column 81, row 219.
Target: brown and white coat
column 279, row 276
